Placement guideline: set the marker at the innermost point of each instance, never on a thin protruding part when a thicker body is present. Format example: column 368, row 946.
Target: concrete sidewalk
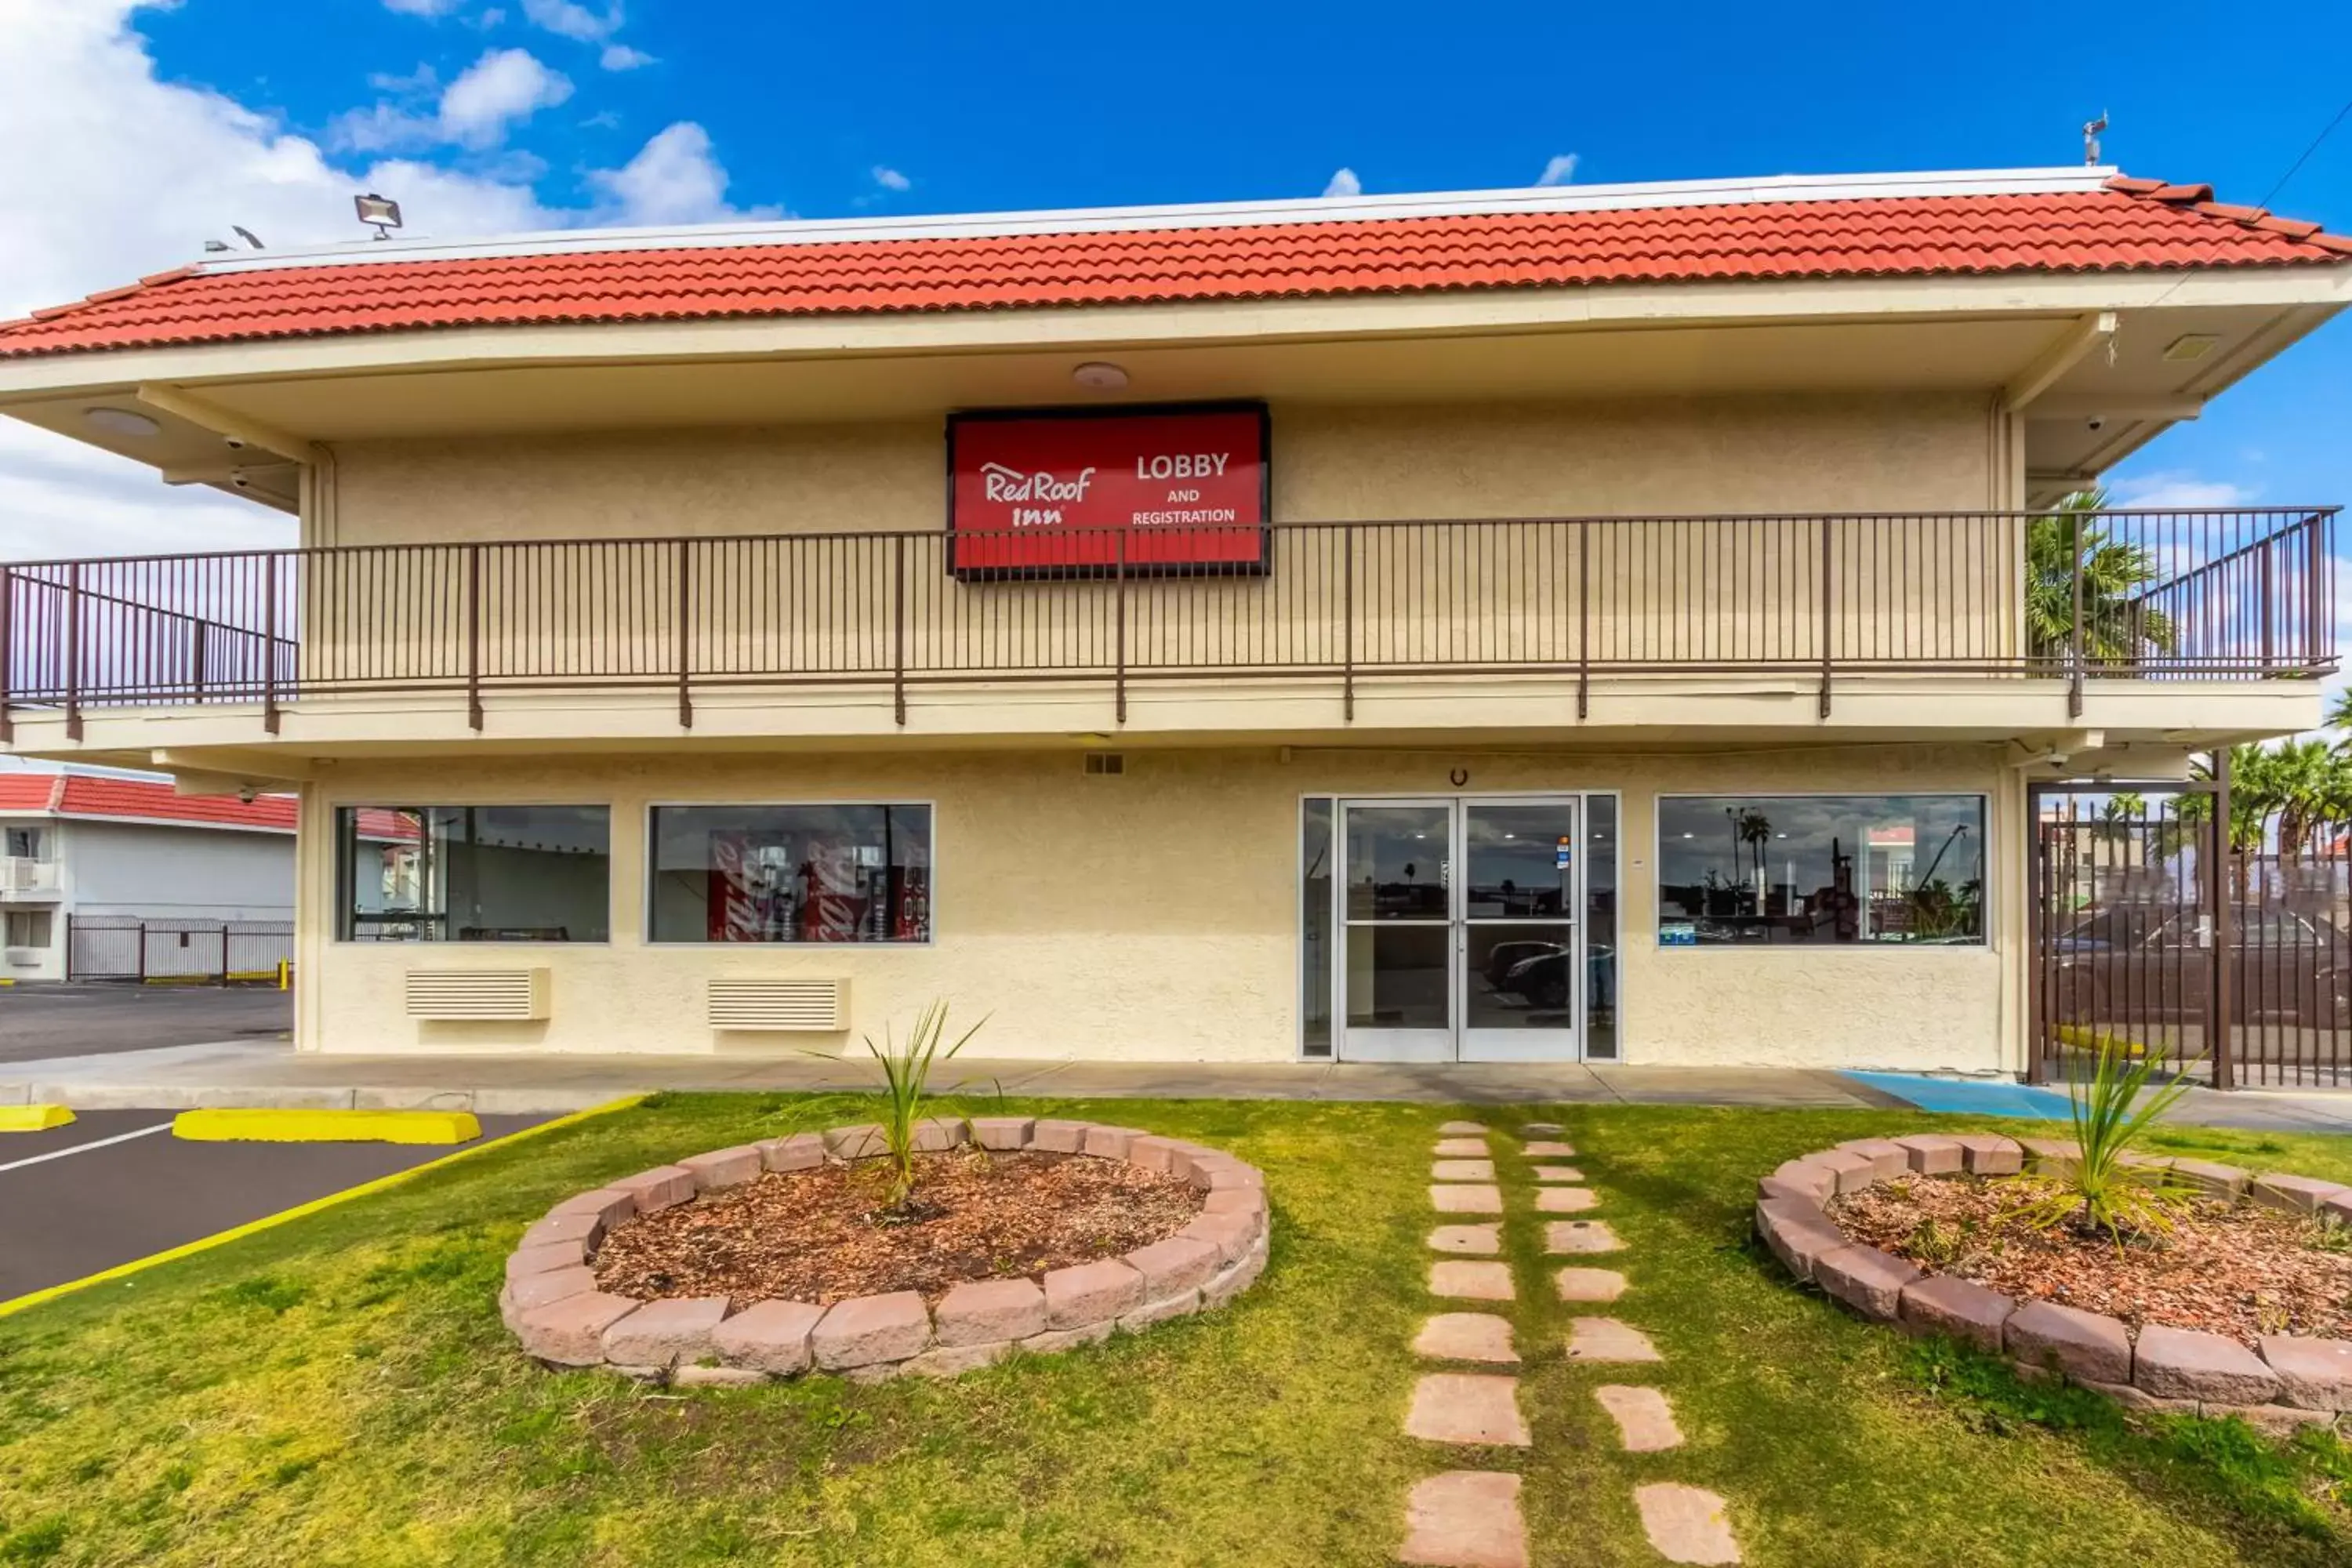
column 269, row 1072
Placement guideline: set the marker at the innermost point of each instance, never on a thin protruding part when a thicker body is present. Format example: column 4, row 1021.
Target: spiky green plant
column 2103, row 1189
column 907, row 1099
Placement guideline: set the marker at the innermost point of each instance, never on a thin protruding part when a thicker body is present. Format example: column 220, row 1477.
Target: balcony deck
column 866, row 620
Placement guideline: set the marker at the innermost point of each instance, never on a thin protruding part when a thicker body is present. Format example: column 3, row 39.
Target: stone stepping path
column 1466, row 1519
column 1466, row 1199
column 1480, row 1409
column 1576, row 1236
column 1606, row 1339
column 1466, row 1336
column 1461, row 1149
column 1471, row 1282
column 1462, row 1171
column 1558, row 1174
column 1589, row 1284
column 1475, row 1239
column 1646, row 1422
column 1565, row 1200
column 1685, row 1525
column 1548, row 1150
column 1463, row 1129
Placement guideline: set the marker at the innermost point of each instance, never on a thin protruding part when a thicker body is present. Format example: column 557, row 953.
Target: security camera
column 2095, row 422
column 247, row 792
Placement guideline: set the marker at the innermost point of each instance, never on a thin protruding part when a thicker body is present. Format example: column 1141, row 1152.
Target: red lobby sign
column 1162, row 490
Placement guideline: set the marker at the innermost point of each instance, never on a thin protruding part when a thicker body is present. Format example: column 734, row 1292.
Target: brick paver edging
column 551, row 1303
column 2294, row 1381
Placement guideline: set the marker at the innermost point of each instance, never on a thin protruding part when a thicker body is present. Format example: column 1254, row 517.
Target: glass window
column 475, row 873
column 792, row 873
column 1781, row 869
column 1315, row 928
column 24, row 843
column 28, row 928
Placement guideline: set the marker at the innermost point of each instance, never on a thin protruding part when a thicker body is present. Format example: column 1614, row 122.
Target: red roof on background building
column 2128, row 224
column 86, row 794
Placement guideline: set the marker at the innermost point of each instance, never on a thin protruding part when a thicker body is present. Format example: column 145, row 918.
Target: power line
column 2296, row 167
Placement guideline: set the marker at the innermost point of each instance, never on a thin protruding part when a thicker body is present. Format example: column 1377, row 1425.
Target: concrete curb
column 551, row 1101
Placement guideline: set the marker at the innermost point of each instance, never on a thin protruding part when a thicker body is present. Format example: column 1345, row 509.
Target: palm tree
column 2120, row 625
column 2339, row 712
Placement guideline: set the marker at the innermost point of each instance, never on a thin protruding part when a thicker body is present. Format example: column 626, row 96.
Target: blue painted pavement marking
column 1969, row 1097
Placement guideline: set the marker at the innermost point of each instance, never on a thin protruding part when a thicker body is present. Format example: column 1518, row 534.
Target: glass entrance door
column 1459, row 934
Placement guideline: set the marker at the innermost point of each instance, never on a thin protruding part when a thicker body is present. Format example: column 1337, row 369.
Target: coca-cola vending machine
column 751, row 889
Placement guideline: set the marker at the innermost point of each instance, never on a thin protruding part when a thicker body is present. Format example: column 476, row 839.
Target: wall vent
column 477, row 995
column 1106, row 762
column 814, row 1006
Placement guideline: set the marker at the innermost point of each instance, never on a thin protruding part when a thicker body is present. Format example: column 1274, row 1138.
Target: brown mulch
column 2233, row 1269
column 819, row 1236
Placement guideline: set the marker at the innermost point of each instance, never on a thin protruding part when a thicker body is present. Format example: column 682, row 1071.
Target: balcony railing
column 22, row 874
column 2082, row 598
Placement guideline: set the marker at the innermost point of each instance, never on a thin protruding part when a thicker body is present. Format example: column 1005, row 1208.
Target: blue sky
column 528, row 111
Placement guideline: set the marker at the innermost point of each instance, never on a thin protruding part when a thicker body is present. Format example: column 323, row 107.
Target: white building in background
column 103, row 847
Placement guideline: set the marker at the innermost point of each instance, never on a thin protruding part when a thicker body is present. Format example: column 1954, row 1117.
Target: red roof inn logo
column 1144, row 491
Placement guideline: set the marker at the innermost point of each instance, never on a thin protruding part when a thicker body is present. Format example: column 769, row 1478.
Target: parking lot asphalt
column 121, row 1187
column 38, row 1022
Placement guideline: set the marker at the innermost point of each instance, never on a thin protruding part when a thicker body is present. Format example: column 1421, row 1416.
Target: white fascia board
column 1206, row 215
column 173, row 822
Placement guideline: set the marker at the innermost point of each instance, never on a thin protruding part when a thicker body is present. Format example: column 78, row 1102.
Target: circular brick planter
column 2294, row 1381
column 551, row 1302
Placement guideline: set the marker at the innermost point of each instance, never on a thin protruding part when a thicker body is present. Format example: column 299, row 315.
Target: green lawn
column 340, row 1389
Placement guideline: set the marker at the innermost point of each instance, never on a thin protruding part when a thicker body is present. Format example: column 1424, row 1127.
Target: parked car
column 2128, row 962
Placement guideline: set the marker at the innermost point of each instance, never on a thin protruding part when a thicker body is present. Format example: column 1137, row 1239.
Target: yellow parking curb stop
column 34, row 1118
column 277, row 1126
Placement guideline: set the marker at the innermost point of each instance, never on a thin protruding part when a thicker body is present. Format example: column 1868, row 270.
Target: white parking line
column 85, row 1148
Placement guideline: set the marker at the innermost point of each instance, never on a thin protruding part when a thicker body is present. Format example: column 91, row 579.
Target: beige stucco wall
column 1154, row 916
column 1921, row 589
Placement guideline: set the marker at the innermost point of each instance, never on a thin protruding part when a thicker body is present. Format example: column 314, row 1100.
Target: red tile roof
column 2130, row 225
column 84, row 795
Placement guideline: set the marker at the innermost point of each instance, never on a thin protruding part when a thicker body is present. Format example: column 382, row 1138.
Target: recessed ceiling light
column 2191, row 345
column 121, row 421
column 1099, row 375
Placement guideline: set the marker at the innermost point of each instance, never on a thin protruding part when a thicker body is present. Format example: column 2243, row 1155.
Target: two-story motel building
column 1617, row 623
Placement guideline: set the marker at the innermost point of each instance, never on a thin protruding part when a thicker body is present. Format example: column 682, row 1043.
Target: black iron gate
column 2234, row 964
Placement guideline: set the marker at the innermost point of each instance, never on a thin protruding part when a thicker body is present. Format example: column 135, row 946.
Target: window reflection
column 1786, row 870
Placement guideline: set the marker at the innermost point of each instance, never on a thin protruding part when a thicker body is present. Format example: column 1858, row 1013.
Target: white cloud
column 1343, row 183
column 673, row 179
column 136, row 173
column 890, row 179
column 502, row 86
column 621, row 57
column 573, row 21
column 421, row 79
column 2175, row 489
column 1559, row 171
column 423, row 7
column 486, row 20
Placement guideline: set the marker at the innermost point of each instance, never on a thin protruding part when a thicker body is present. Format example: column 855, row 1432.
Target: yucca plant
column 907, row 1099
column 2113, row 1114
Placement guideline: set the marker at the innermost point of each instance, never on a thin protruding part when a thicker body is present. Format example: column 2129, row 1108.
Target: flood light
column 1097, row 376
column 380, row 211
column 121, row 421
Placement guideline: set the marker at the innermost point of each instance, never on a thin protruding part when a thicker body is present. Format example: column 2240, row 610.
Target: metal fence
column 126, row 947
column 2236, row 967
column 2078, row 596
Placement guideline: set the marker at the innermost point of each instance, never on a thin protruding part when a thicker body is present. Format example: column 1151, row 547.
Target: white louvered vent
column 810, row 1004
column 477, row 995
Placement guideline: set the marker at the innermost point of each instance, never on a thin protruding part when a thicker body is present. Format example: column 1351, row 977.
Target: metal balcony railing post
column 685, row 634
column 1584, row 619
column 269, row 642
column 474, row 636
column 1826, row 536
column 899, row 627
column 1120, row 579
column 2318, row 624
column 196, row 655
column 1348, row 622
column 7, row 650
column 2074, row 661
column 73, row 651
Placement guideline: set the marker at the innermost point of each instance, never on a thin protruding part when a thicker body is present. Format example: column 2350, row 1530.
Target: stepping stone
column 1476, row 1407
column 1461, row 1149
column 1565, row 1200
column 1460, row 1128
column 1475, row 1282
column 1462, row 1171
column 1590, row 1284
column 1466, row 1519
column 1646, row 1422
column 1466, row 1336
column 1549, row 1150
column 1483, row 1238
column 1685, row 1525
column 1606, row 1339
column 1563, row 1238
column 1466, row 1200
column 1559, row 1174
column 1541, row 1129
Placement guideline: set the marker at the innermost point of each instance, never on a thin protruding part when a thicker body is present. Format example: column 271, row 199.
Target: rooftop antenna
column 248, row 235
column 2091, row 129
